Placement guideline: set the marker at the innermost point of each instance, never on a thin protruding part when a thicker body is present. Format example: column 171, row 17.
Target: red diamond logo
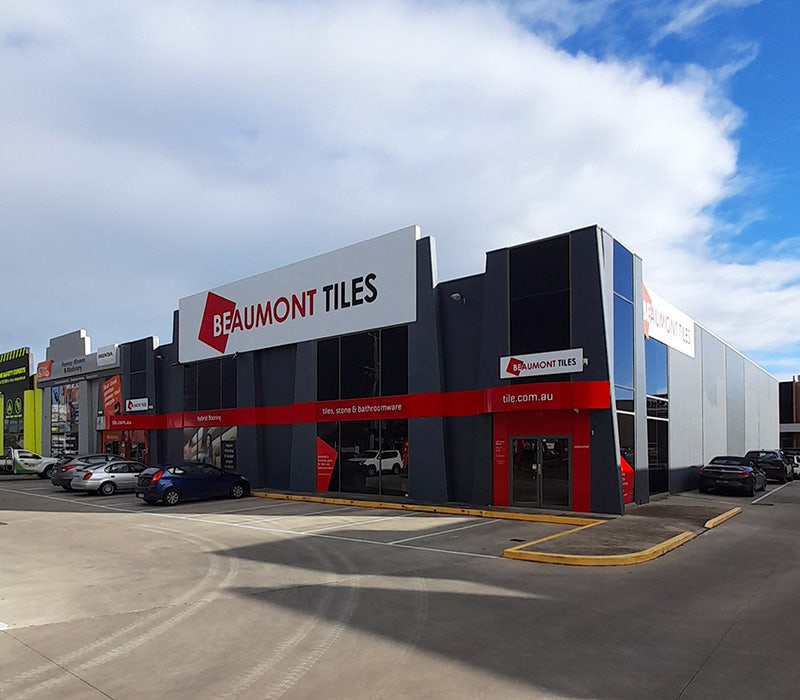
column 514, row 366
column 211, row 326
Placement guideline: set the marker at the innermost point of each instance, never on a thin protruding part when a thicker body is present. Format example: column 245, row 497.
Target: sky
column 156, row 149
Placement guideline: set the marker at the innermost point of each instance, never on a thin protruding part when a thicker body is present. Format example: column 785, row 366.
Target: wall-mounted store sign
column 69, row 367
column 364, row 286
column 15, row 370
column 560, row 362
column 665, row 323
column 108, row 356
column 136, row 405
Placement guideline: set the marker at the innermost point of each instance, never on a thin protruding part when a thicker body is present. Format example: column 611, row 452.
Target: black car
column 189, row 481
column 728, row 472
column 775, row 463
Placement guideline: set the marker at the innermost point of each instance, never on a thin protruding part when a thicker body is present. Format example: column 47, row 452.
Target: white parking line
column 770, row 493
column 445, row 532
column 251, row 526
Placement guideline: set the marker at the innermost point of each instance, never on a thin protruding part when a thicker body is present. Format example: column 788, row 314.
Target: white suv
column 385, row 460
column 27, row 462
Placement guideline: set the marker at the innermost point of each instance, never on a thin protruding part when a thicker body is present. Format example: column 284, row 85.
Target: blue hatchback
column 191, row 481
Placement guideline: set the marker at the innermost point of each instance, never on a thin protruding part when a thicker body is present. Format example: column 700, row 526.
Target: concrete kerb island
column 527, row 551
column 661, row 547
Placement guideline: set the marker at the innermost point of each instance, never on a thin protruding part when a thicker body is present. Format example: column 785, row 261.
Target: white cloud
column 686, row 15
column 155, row 150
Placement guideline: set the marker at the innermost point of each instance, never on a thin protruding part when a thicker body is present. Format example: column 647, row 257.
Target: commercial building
column 553, row 379
column 20, row 426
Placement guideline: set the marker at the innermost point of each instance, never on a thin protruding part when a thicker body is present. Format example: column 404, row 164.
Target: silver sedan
column 108, row 478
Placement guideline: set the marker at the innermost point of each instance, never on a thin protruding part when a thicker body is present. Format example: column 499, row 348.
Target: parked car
column 774, row 462
column 189, row 481
column 387, row 461
column 19, row 461
column 108, row 478
column 63, row 473
column 730, row 472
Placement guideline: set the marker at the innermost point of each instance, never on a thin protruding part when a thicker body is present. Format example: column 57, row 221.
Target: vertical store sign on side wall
column 367, row 285
column 665, row 323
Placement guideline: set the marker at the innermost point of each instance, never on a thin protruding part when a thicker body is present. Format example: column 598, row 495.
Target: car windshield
column 727, row 460
column 370, row 453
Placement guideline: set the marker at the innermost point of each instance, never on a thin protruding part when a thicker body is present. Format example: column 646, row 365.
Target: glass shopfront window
column 657, row 415
column 209, row 385
column 623, row 342
column 64, row 417
column 215, row 446
column 369, row 456
column 623, row 271
column 539, row 300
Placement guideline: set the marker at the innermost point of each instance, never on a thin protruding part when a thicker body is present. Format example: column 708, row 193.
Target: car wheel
column 371, row 471
column 66, row 487
column 172, row 497
column 395, row 469
column 752, row 490
column 107, row 488
column 702, row 489
column 47, row 473
column 237, row 491
column 783, row 478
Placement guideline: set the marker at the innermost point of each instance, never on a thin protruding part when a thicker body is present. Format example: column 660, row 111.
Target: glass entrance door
column 540, row 471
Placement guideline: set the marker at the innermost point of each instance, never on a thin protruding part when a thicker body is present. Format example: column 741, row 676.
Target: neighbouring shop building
column 83, row 391
column 554, row 379
column 790, row 416
column 20, row 426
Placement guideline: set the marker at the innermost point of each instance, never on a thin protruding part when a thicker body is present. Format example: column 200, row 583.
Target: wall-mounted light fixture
column 458, row 296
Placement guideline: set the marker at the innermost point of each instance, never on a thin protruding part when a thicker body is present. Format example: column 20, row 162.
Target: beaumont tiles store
column 546, row 381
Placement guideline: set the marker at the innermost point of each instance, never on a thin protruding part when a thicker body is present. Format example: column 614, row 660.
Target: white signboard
column 132, row 405
column 108, row 356
column 663, row 322
column 560, row 362
column 367, row 285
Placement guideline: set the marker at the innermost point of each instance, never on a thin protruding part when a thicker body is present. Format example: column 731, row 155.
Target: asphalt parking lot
column 105, row 597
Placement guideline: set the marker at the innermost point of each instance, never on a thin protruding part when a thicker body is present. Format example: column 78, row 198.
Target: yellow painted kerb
column 440, row 510
column 598, row 560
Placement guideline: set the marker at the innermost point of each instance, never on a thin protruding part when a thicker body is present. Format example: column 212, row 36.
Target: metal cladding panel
column 762, row 429
column 752, row 405
column 592, row 279
column 714, row 397
column 686, row 408
column 303, row 440
column 735, row 411
column 427, row 480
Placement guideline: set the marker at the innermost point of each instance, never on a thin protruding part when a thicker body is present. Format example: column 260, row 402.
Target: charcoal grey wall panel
column 590, row 322
column 427, row 474
column 715, row 432
column 592, row 329
column 304, row 435
column 734, row 378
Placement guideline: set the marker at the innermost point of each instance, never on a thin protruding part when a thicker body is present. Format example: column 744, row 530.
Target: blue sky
column 154, row 150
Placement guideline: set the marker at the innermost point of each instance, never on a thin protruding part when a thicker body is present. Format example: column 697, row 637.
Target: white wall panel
column 715, row 434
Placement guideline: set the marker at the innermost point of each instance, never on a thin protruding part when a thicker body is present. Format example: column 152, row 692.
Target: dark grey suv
column 774, row 462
